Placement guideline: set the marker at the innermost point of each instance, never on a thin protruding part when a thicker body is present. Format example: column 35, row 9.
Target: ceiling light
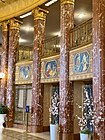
column 27, row 28
column 50, row 2
column 81, row 15
column 21, row 40
column 56, row 33
column 26, row 15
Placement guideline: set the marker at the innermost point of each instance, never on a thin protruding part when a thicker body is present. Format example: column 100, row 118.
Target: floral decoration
column 54, row 109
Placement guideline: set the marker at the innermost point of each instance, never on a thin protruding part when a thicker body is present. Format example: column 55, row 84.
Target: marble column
column 4, row 61
column 66, row 87
column 13, row 45
column 99, row 68
column 37, row 97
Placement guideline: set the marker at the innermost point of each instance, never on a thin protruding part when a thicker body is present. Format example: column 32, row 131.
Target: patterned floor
column 8, row 134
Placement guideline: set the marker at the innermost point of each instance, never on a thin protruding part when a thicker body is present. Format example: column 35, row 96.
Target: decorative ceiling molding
column 3, row 1
column 17, row 8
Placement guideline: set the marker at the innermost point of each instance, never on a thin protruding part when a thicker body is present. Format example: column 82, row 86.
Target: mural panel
column 25, row 72
column 51, row 69
column 81, row 62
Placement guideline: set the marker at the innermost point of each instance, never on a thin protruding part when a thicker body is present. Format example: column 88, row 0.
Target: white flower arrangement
column 87, row 110
column 54, row 109
column 92, row 116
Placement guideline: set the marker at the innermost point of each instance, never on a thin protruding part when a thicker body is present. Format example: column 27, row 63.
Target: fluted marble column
column 37, row 97
column 13, row 45
column 66, row 88
column 99, row 68
column 4, row 61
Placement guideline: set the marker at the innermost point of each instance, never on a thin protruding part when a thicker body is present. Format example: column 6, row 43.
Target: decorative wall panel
column 24, row 73
column 81, row 63
column 50, row 69
column 80, row 67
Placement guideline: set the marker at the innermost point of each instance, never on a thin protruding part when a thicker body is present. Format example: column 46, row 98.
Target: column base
column 36, row 129
column 66, row 136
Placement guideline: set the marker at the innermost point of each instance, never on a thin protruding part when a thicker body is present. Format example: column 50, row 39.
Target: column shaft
column 66, row 90
column 37, row 97
column 4, row 61
column 99, row 68
column 13, row 45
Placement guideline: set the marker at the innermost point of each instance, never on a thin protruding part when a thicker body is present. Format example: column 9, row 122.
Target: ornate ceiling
column 15, row 8
column 19, row 7
column 6, row 2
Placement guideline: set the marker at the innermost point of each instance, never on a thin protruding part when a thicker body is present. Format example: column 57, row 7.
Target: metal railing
column 52, row 47
column 24, row 54
column 80, row 35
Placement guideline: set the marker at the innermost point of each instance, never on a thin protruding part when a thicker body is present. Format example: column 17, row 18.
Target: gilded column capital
column 39, row 13
column 4, row 25
column 67, row 1
column 14, row 23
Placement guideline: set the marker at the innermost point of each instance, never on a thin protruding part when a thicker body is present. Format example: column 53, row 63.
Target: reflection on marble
column 18, row 135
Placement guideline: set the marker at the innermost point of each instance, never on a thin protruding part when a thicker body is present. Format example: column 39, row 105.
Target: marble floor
column 17, row 134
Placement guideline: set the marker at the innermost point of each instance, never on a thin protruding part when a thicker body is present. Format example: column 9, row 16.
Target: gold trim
column 4, row 26
column 39, row 13
column 51, row 57
column 81, row 48
column 67, row 2
column 14, row 23
column 18, row 8
column 24, row 63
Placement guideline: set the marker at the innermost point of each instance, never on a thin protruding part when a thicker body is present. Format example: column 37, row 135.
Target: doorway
column 23, row 98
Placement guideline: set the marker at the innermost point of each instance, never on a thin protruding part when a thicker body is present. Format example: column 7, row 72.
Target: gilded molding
column 39, row 13
column 14, row 23
column 67, row 1
column 18, row 8
column 4, row 26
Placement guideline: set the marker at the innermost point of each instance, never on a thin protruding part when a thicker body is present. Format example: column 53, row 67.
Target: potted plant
column 85, row 134
column 3, row 112
column 54, row 116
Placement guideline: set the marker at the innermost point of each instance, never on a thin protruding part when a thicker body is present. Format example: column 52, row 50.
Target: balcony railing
column 80, row 35
column 24, row 53
column 52, row 47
